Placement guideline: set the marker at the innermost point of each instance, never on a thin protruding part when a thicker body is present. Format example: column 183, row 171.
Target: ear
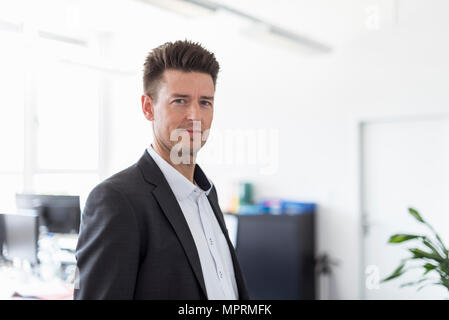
column 147, row 107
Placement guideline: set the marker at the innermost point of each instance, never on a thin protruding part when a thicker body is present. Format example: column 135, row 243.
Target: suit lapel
column 170, row 207
column 173, row 212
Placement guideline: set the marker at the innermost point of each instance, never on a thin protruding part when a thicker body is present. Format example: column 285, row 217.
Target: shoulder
column 115, row 188
column 124, row 178
column 109, row 202
column 125, row 182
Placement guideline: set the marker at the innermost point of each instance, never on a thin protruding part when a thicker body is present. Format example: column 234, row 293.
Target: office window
column 67, row 112
column 49, row 115
column 11, row 119
column 11, row 104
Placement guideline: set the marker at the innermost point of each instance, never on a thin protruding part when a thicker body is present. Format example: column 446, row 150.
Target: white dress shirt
column 213, row 250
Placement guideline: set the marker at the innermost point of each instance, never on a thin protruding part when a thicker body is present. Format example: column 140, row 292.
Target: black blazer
column 135, row 243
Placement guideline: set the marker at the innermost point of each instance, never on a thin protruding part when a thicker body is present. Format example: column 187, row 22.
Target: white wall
column 314, row 101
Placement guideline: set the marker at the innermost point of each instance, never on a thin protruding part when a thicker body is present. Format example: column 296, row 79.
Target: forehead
column 176, row 81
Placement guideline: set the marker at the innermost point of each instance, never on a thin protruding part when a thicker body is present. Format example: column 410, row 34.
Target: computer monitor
column 21, row 235
column 60, row 214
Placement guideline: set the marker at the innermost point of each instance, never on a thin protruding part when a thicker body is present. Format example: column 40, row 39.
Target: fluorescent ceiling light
column 63, row 38
column 278, row 37
column 261, row 29
column 298, row 39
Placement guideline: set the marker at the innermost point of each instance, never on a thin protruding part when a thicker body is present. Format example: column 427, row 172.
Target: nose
column 194, row 111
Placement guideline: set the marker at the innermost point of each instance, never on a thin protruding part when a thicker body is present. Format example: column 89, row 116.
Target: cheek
column 208, row 119
column 170, row 121
column 167, row 116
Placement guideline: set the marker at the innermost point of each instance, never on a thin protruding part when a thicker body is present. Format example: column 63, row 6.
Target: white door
column 404, row 164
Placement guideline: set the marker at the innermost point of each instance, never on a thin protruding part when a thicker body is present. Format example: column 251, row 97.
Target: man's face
column 183, row 109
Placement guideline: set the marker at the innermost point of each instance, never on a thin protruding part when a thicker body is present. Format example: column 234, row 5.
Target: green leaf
column 427, row 284
column 429, row 267
column 438, row 253
column 445, row 282
column 396, row 273
column 398, row 238
column 432, row 247
column 413, row 282
column 444, row 266
column 416, row 215
column 443, row 247
column 420, row 254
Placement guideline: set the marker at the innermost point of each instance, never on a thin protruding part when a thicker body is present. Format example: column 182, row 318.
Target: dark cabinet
column 277, row 254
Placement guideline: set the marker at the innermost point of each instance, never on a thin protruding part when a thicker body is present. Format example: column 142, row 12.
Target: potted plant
column 434, row 260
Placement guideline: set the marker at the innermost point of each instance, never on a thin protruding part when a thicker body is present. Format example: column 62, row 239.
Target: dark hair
column 180, row 55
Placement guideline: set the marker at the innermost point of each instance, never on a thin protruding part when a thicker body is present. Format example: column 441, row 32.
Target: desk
column 23, row 282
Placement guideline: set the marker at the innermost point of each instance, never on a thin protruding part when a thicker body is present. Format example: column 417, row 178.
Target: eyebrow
column 179, row 95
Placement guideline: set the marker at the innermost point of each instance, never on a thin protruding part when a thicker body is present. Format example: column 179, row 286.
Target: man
column 155, row 230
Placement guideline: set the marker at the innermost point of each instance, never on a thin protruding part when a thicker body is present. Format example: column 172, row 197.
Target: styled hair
column 180, row 55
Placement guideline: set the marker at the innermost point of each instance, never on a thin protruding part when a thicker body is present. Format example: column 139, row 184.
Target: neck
column 187, row 170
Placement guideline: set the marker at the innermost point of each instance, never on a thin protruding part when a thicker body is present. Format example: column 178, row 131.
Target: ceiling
column 335, row 23
column 329, row 21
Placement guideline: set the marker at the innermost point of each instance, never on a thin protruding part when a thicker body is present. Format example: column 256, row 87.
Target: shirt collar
column 180, row 185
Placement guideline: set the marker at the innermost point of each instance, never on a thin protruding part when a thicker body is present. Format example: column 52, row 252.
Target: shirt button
column 221, row 275
column 211, row 241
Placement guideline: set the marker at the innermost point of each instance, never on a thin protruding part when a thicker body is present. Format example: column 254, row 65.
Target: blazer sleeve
column 107, row 252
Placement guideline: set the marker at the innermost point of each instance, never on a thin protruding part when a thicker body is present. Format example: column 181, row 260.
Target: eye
column 206, row 103
column 179, row 101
